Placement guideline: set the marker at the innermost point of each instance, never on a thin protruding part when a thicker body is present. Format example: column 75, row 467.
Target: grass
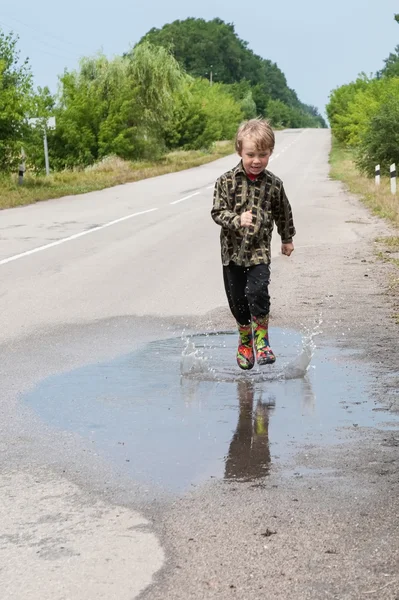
column 379, row 199
column 381, row 202
column 107, row 173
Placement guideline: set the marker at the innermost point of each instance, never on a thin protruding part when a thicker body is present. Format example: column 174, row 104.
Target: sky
column 317, row 45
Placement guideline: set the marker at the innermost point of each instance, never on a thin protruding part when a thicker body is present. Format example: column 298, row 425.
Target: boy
column 247, row 201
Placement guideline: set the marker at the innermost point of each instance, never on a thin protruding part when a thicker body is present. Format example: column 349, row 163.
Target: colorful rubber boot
column 264, row 354
column 245, row 352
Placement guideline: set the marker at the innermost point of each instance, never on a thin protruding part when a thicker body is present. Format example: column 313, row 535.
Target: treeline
column 154, row 98
column 364, row 116
column 204, row 47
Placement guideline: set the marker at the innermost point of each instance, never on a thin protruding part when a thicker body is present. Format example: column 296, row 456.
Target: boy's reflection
column 249, row 454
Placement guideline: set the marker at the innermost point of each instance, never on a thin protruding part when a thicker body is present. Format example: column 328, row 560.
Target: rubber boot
column 264, row 354
column 245, row 352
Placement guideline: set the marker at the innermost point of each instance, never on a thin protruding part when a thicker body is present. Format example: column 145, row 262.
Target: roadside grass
column 381, row 202
column 379, row 199
column 107, row 173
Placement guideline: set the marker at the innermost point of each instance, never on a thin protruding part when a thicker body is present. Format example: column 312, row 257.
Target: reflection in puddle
column 248, row 457
column 177, row 412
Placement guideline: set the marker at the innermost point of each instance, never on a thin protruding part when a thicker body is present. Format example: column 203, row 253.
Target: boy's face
column 254, row 161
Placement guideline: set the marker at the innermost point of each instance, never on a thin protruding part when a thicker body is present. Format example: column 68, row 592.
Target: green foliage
column 156, row 97
column 203, row 46
column 338, row 107
column 380, row 141
column 391, row 68
column 353, row 106
column 42, row 107
column 15, row 101
column 282, row 115
column 364, row 116
column 243, row 94
column 117, row 106
column 204, row 114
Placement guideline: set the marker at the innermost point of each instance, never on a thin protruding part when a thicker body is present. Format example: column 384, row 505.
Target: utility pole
column 211, row 74
column 46, row 151
column 44, row 124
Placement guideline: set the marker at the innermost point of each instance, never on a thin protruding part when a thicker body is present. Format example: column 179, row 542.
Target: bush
column 380, row 142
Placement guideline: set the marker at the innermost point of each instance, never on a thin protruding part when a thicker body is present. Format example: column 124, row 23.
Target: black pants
column 247, row 290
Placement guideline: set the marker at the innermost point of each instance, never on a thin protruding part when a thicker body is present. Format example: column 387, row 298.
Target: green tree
column 278, row 113
column 118, row 106
column 15, row 101
column 338, row 107
column 205, row 114
column 242, row 93
column 391, row 68
column 380, row 142
column 203, row 46
column 364, row 105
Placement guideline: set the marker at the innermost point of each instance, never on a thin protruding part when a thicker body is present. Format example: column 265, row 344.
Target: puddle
column 177, row 412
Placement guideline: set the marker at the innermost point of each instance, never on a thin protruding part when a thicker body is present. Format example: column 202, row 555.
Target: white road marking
column 185, row 198
column 74, row 237
column 82, row 233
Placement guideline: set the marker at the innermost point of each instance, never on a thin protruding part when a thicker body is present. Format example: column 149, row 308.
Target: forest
column 184, row 86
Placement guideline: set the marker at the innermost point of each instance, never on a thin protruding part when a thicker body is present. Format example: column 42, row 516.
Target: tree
column 15, row 101
column 118, row 106
column 243, row 94
column 380, row 142
column 338, row 107
column 391, row 68
column 203, row 115
column 203, row 46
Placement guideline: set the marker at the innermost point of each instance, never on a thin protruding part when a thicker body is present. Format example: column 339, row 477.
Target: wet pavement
column 177, row 412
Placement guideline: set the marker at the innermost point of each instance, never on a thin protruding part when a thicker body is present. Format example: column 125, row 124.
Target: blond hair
column 259, row 131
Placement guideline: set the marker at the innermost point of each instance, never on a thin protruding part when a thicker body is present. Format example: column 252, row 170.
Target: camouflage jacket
column 265, row 197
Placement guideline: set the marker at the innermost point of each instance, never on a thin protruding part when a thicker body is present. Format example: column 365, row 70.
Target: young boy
column 248, row 200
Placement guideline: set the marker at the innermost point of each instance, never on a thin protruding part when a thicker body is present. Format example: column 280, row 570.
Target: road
column 102, row 500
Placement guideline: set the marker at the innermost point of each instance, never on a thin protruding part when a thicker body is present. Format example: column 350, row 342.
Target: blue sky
column 317, row 45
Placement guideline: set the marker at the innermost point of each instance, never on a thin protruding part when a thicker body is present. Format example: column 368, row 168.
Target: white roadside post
column 377, row 175
column 393, row 178
column 45, row 124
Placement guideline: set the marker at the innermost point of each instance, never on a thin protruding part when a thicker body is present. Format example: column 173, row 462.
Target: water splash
column 211, row 357
column 299, row 366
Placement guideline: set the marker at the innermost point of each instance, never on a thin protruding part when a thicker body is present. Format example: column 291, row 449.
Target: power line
column 55, row 51
column 43, row 31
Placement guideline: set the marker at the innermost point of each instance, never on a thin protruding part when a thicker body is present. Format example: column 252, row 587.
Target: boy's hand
column 287, row 249
column 246, row 219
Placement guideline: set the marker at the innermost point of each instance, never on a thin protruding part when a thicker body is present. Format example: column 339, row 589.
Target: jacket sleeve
column 282, row 215
column 221, row 211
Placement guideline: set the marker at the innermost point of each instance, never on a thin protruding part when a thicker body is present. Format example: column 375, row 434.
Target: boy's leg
column 235, row 283
column 258, row 280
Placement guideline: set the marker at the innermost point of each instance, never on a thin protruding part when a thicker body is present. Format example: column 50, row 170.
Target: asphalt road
column 88, row 279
